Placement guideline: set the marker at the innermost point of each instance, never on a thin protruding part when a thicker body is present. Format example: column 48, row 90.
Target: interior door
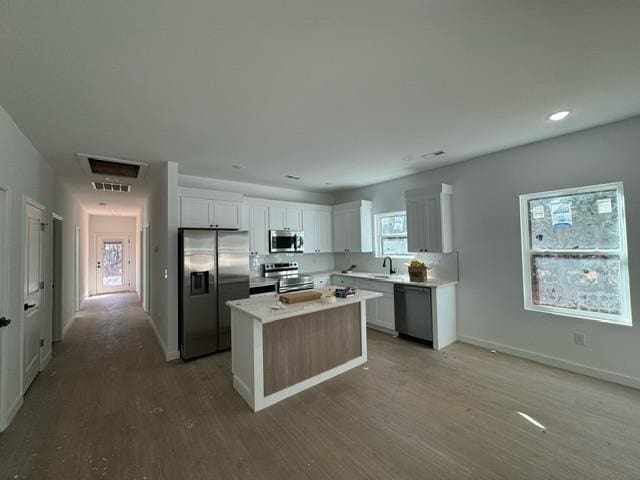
column 4, row 321
column 32, row 292
column 112, row 263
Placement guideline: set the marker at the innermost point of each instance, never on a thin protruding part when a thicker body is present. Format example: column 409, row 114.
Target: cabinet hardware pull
column 27, row 306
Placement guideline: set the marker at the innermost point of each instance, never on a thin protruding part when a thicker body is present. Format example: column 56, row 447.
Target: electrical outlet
column 579, row 339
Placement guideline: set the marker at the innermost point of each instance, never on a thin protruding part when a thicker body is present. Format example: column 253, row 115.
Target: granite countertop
column 396, row 278
column 260, row 307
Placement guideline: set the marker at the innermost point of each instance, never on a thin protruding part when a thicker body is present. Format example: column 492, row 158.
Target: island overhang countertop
column 261, row 309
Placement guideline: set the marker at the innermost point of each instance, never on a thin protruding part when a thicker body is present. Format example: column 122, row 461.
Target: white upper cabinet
column 285, row 218
column 227, row 214
column 309, row 226
column 429, row 227
column 353, row 227
column 210, row 209
column 258, row 230
column 324, row 228
column 196, row 212
column 316, row 224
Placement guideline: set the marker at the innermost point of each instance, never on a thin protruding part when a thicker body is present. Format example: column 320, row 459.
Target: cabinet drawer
column 342, row 281
column 321, row 281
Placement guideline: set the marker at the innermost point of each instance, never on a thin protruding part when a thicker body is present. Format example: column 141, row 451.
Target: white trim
column 377, row 235
column 556, row 362
column 13, row 410
column 77, row 301
column 625, row 318
column 68, row 325
column 168, row 355
column 45, row 360
column 6, row 414
column 54, row 215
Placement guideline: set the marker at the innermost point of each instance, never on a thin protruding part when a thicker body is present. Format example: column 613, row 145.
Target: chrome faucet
column 384, row 264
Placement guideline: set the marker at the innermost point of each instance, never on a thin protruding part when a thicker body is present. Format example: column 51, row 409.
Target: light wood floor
column 108, row 406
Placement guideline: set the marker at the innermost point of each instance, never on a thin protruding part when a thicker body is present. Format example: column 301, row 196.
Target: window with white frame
column 391, row 234
column 574, row 253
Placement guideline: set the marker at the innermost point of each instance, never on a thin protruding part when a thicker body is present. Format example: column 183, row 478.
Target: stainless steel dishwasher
column 413, row 311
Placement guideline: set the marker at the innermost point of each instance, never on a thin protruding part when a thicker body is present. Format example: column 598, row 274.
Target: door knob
column 27, row 306
column 4, row 322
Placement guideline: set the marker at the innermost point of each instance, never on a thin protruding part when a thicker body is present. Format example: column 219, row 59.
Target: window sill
column 622, row 322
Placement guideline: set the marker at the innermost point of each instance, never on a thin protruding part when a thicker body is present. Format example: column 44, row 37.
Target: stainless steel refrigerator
column 213, row 268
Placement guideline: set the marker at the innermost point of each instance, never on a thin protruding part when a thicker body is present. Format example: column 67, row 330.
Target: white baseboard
column 13, row 410
column 66, row 328
column 168, row 355
column 44, row 361
column 555, row 362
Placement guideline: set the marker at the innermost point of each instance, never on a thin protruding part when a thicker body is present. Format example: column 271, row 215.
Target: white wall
column 487, row 236
column 24, row 171
column 162, row 215
column 99, row 224
column 74, row 215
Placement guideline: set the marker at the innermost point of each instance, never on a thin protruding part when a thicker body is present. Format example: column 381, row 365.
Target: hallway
column 109, row 406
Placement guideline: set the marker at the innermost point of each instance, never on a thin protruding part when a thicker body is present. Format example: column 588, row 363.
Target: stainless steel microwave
column 291, row 241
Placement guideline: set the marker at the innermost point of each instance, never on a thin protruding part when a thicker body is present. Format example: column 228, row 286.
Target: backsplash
column 444, row 265
column 310, row 262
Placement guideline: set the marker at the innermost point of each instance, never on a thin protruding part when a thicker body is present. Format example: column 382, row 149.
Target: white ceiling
column 339, row 91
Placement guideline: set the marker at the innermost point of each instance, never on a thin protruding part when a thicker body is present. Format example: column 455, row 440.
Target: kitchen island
column 276, row 353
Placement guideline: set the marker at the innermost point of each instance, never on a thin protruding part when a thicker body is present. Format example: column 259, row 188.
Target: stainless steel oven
column 291, row 241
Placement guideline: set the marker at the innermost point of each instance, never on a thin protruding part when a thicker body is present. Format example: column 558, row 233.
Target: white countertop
column 382, row 277
column 260, row 307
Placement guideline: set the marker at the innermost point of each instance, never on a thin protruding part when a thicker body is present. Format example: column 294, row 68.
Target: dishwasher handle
column 409, row 288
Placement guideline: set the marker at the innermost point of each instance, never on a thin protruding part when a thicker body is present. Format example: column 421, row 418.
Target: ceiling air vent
column 112, row 167
column 111, row 187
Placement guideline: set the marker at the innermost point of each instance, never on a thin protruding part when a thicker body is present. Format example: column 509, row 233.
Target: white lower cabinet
column 321, row 281
column 381, row 310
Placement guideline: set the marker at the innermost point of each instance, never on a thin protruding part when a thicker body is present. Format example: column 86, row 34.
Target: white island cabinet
column 278, row 353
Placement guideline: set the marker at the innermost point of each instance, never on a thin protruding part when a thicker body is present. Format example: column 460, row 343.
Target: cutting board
column 297, row 297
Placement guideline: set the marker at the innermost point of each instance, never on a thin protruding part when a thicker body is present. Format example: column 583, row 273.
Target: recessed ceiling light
column 437, row 153
column 292, row 177
column 239, row 166
column 557, row 116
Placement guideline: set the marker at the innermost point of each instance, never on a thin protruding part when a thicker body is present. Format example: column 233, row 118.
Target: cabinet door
column 385, row 314
column 293, row 218
column 372, row 311
column 433, row 227
column 309, row 228
column 341, row 231
column 415, row 225
column 277, row 218
column 353, row 230
column 196, row 212
column 324, row 237
column 258, row 232
column 227, row 214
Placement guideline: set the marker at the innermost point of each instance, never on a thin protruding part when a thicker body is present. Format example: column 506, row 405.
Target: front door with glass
column 112, row 263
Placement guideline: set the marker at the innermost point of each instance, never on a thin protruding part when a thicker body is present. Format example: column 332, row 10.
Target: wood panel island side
column 278, row 353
